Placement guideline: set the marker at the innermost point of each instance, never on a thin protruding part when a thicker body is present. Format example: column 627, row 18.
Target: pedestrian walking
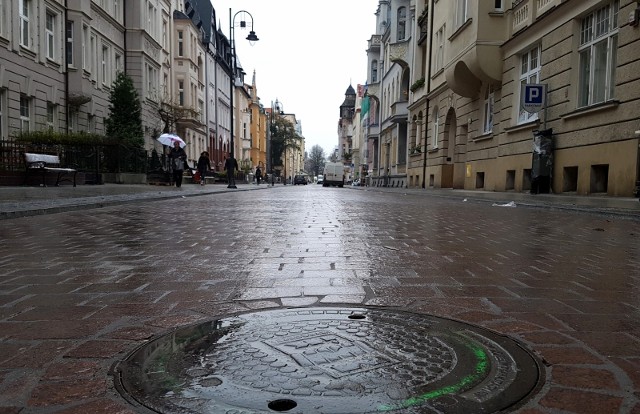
column 178, row 157
column 204, row 165
column 258, row 175
column 231, row 165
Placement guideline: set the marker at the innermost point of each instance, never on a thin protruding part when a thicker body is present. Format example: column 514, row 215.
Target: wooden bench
column 45, row 163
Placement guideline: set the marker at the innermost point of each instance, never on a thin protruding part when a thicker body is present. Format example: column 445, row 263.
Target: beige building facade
column 476, row 57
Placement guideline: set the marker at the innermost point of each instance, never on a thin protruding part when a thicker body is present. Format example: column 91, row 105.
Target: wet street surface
column 83, row 292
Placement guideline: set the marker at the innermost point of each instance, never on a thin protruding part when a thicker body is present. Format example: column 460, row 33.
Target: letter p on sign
column 533, row 97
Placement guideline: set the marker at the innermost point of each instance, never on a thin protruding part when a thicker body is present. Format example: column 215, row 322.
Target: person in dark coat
column 204, row 165
column 258, row 175
column 231, row 165
column 178, row 157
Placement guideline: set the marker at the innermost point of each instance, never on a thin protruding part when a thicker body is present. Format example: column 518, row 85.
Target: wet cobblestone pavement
column 81, row 290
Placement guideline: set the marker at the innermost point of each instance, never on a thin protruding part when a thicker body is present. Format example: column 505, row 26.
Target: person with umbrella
column 177, row 157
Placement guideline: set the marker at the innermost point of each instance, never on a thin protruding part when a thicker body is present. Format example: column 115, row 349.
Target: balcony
column 373, row 89
column 525, row 12
column 399, row 53
column 473, row 54
column 374, row 43
column 399, row 112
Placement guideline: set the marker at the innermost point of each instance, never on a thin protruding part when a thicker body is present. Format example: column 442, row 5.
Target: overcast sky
column 307, row 56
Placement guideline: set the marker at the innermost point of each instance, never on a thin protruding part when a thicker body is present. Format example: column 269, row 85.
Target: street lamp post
column 276, row 110
column 232, row 83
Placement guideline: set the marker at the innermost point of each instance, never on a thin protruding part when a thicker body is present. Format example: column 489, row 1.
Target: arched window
column 402, row 23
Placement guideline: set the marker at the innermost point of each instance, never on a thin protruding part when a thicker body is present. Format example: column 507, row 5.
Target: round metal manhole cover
column 331, row 361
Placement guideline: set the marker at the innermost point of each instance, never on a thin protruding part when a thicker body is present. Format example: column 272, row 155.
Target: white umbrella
column 169, row 139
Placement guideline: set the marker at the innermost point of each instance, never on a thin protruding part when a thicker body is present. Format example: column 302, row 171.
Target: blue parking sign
column 533, row 97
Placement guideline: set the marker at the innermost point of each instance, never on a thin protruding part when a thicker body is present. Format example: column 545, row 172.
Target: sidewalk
column 626, row 206
column 28, row 201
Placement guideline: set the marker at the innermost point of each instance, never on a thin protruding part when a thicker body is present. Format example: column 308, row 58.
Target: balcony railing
column 525, row 12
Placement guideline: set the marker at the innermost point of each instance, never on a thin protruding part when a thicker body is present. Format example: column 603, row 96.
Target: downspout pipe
column 424, row 153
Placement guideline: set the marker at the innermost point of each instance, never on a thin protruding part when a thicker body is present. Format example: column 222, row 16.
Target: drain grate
column 331, row 361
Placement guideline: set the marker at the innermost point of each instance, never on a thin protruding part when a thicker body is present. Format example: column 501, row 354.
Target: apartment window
column 118, row 64
column 598, row 49
column 25, row 113
column 489, row 100
column 92, row 55
column 86, row 58
column 50, row 30
column 152, row 75
column 462, row 12
column 402, row 23
column 498, row 5
column 165, row 85
column 104, row 64
column 73, row 121
column 69, row 43
column 180, row 43
column 435, row 128
column 530, row 65
column 201, row 109
column 25, row 14
column 91, row 123
column 51, row 115
column 374, row 71
column 165, row 24
column 2, row 112
column 181, row 93
column 439, row 61
column 151, row 20
column 2, row 17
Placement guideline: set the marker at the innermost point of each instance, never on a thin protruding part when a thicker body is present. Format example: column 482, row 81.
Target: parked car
column 299, row 179
column 320, row 179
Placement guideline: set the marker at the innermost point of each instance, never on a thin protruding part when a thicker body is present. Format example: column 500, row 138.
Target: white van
column 333, row 174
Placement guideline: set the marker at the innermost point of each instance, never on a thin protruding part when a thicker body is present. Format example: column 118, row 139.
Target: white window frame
column 24, row 10
column 93, row 40
column 73, row 121
column 530, row 67
column 2, row 111
column 462, row 12
column 105, row 65
column 117, row 65
column 25, row 113
column 152, row 82
column 435, row 128
column 402, row 23
column 152, row 19
column 180, row 43
column 180, row 92
column 2, row 17
column 498, row 5
column 51, row 115
column 86, row 57
column 50, row 34
column 68, row 33
column 439, row 60
column 598, row 39
column 488, row 107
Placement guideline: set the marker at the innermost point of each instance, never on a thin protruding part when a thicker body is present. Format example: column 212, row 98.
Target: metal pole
column 231, row 171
